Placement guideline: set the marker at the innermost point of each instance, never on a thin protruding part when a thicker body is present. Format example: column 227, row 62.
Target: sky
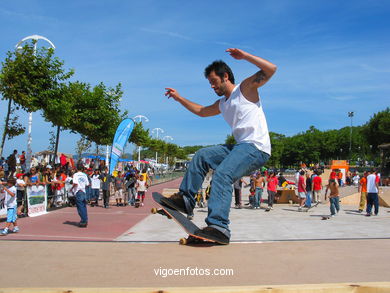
column 333, row 57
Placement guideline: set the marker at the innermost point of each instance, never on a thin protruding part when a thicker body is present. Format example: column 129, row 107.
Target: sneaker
column 4, row 232
column 360, row 211
column 15, row 230
column 176, row 202
column 213, row 234
column 142, row 204
column 299, row 208
column 368, row 215
column 83, row 225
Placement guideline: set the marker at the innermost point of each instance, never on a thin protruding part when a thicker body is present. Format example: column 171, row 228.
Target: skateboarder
column 241, row 107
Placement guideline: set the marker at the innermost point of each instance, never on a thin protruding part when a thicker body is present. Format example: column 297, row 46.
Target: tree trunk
column 5, row 127
column 56, row 145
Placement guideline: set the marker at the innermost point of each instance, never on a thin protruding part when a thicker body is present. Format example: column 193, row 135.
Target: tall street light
column 167, row 137
column 29, row 139
column 157, row 130
column 140, row 117
column 350, row 114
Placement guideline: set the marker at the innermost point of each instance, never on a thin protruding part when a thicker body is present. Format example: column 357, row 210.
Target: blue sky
column 332, row 57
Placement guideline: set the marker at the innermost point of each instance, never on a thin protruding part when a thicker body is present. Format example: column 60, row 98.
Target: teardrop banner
column 121, row 137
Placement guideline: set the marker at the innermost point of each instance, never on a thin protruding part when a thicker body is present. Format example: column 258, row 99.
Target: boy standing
column 141, row 189
column 301, row 190
column 333, row 197
column 10, row 203
column 372, row 193
column 80, row 182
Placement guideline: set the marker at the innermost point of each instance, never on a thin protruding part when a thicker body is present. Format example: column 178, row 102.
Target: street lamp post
column 167, row 137
column 157, row 130
column 350, row 114
column 140, row 117
column 29, row 139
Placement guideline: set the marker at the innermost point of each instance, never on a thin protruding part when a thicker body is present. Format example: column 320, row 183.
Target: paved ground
column 129, row 247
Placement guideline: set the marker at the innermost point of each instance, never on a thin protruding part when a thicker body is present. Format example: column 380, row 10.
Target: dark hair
column 302, row 172
column 11, row 180
column 220, row 68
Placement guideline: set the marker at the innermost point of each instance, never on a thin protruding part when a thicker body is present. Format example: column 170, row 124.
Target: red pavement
column 103, row 224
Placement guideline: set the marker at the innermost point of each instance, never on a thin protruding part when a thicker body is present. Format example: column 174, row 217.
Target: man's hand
column 172, row 93
column 236, row 53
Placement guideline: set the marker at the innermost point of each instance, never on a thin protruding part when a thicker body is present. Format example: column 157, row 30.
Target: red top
column 301, row 184
column 332, row 175
column 317, row 183
column 272, row 183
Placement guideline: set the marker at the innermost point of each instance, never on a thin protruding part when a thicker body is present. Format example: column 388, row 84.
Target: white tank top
column 246, row 119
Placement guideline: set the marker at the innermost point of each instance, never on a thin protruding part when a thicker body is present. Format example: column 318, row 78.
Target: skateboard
column 325, row 218
column 182, row 220
column 268, row 209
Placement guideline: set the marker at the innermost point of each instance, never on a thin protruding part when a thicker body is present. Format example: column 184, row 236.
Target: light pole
column 140, row 117
column 157, row 130
column 350, row 114
column 29, row 139
column 166, row 138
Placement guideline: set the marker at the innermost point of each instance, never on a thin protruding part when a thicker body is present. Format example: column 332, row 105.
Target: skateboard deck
column 325, row 217
column 189, row 227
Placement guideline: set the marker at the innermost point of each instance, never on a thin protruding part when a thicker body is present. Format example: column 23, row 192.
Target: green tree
column 139, row 135
column 230, row 140
column 30, row 78
column 96, row 112
column 377, row 129
column 82, row 146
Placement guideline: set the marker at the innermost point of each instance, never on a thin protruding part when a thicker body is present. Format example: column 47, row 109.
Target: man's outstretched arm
column 202, row 111
column 250, row 85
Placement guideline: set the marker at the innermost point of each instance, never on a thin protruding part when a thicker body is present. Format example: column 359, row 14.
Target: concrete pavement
column 128, row 247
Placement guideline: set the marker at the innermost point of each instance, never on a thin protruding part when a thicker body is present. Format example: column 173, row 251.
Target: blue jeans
column 95, row 194
column 258, row 194
column 132, row 193
column 81, row 204
column 308, row 199
column 372, row 200
column 88, row 193
column 334, row 205
column 230, row 163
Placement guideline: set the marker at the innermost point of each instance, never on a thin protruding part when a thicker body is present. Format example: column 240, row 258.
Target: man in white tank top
column 241, row 107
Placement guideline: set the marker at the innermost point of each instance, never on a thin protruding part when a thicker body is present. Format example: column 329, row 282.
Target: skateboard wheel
column 183, row 241
column 153, row 211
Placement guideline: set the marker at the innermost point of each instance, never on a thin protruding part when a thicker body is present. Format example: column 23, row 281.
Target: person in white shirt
column 20, row 185
column 11, row 205
column 372, row 193
column 241, row 107
column 80, row 182
column 95, row 187
column 142, row 187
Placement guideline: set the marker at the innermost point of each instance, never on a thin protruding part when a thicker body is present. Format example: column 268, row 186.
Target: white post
column 30, row 118
column 140, row 117
column 157, row 130
column 166, row 138
column 107, row 155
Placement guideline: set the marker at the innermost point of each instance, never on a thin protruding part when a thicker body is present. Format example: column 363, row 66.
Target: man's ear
column 225, row 77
